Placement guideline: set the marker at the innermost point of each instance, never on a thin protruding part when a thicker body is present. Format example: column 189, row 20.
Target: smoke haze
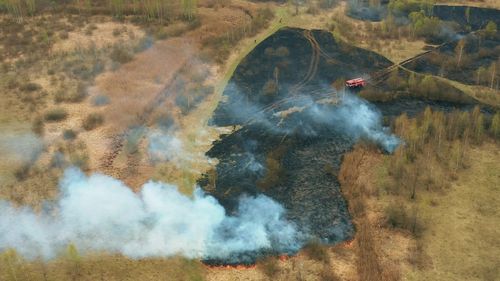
column 351, row 116
column 24, row 148
column 100, row 213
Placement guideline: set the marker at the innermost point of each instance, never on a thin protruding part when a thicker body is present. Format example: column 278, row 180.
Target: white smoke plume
column 100, row 213
column 357, row 118
column 164, row 146
column 352, row 116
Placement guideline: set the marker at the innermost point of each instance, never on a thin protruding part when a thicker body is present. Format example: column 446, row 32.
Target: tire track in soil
column 313, row 65
column 118, row 140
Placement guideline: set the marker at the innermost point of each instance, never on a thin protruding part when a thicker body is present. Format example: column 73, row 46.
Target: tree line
column 149, row 9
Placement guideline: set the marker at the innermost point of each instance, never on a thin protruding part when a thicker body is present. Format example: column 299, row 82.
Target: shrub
column 21, row 173
column 30, row 87
column 428, row 87
column 38, row 126
column 56, row 114
column 120, row 55
column 69, row 134
column 63, row 35
column 317, row 252
column 92, row 121
column 495, row 125
column 270, row 88
column 282, row 52
column 395, row 82
column 397, row 216
column 75, row 96
column 274, row 170
column 327, row 274
column 80, row 160
column 491, row 28
column 269, row 266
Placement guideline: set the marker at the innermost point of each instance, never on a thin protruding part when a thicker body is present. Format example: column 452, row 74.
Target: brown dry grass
column 462, row 237
column 136, row 84
column 484, row 94
column 394, row 49
column 99, row 267
column 105, row 33
column 380, row 252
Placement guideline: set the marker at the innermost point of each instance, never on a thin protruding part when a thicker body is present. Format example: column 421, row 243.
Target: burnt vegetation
column 300, row 171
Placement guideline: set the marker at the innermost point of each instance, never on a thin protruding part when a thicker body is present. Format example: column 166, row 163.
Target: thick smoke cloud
column 307, row 114
column 100, row 213
column 164, row 146
column 358, row 119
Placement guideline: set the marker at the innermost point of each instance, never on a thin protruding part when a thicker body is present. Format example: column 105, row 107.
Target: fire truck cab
column 355, row 83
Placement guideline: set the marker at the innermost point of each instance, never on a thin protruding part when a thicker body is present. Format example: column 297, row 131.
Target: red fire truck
column 355, row 83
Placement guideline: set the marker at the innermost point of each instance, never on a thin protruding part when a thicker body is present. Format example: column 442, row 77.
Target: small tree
column 413, row 82
column 459, row 50
column 394, row 81
column 428, row 86
column 92, row 121
column 490, row 29
column 495, row 125
column 74, row 262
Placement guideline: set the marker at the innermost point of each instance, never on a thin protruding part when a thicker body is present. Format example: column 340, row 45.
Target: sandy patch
column 102, row 35
column 135, row 85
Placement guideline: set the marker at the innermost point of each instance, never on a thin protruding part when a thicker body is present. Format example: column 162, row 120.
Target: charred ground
column 281, row 148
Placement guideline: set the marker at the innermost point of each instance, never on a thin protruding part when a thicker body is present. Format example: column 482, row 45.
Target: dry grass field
column 88, row 91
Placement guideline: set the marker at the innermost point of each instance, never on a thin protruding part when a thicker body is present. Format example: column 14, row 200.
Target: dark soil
column 287, row 55
column 308, row 153
column 477, row 19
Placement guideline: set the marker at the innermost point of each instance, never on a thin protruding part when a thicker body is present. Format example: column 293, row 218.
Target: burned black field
column 294, row 128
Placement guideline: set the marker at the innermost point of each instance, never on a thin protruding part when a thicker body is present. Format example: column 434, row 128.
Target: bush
column 76, row 96
column 69, row 134
column 495, row 125
column 269, row 266
column 317, row 252
column 56, row 114
column 38, row 126
column 22, row 172
column 274, row 170
column 282, row 52
column 397, row 216
column 80, row 160
column 120, row 55
column 30, row 87
column 270, row 88
column 327, row 274
column 92, row 121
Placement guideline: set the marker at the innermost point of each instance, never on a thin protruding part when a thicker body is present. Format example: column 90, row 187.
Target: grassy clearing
column 73, row 266
column 462, row 239
column 484, row 94
column 362, row 34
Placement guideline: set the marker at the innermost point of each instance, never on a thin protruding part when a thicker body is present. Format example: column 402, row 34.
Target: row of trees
column 149, row 9
column 19, row 8
column 436, row 127
column 435, row 147
column 489, row 76
column 405, row 7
